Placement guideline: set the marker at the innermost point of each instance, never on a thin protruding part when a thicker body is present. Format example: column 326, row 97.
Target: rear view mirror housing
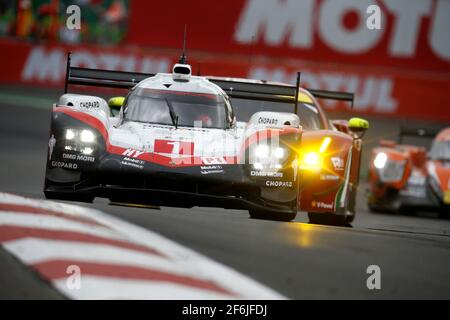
column 115, row 103
column 358, row 125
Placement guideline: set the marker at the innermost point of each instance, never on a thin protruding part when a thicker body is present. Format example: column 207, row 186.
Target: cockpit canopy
column 187, row 109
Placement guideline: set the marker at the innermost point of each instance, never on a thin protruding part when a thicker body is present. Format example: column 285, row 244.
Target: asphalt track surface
column 297, row 259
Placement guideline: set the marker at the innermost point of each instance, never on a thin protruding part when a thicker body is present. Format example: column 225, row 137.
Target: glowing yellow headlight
column 325, row 143
column 311, row 161
column 447, row 197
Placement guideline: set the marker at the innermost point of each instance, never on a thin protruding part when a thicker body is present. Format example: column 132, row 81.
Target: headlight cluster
column 380, row 160
column 389, row 170
column 313, row 160
column 80, row 140
column 265, row 156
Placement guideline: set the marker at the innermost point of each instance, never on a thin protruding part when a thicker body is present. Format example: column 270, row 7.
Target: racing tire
column 349, row 218
column 53, row 195
column 407, row 211
column 270, row 215
column 443, row 214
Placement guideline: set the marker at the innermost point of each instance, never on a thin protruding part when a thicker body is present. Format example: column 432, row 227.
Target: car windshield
column 308, row 114
column 164, row 107
column 440, row 150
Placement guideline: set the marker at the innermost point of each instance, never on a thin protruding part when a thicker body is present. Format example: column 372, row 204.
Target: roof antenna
column 183, row 58
column 67, row 71
column 297, row 89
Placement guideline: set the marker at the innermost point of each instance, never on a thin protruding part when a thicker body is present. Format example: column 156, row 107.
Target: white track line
column 55, row 223
column 93, row 287
column 177, row 260
column 32, row 251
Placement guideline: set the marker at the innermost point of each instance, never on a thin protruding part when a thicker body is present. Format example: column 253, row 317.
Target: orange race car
column 329, row 152
column 405, row 178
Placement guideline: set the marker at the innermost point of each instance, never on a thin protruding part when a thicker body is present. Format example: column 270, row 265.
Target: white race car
column 175, row 141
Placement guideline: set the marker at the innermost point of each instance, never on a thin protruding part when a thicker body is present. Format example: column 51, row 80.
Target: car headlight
column 325, row 143
column 262, row 151
column 390, row 170
column 265, row 157
column 87, row 150
column 258, row 166
column 80, row 140
column 279, row 153
column 311, row 161
column 380, row 160
column 70, row 134
column 87, row 136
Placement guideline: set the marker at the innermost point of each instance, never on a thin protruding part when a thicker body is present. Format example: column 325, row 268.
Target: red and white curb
column 116, row 260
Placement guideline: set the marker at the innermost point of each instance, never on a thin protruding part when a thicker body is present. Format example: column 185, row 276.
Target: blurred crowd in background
column 104, row 21
column 394, row 70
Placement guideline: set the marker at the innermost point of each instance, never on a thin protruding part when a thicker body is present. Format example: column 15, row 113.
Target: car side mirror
column 358, row 125
column 115, row 103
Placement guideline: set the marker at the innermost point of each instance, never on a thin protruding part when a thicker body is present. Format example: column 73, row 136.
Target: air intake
column 181, row 72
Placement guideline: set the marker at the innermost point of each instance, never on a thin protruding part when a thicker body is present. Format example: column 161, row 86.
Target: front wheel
column 443, row 213
column 349, row 218
column 270, row 215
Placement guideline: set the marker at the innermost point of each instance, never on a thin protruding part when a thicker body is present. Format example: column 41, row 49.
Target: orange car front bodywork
column 434, row 173
column 378, row 187
column 327, row 189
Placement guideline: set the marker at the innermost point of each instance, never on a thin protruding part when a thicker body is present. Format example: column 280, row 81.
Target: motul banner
column 378, row 91
column 414, row 34
column 390, row 93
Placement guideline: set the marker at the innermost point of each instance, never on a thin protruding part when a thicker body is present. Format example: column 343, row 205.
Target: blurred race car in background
column 405, row 178
column 329, row 153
